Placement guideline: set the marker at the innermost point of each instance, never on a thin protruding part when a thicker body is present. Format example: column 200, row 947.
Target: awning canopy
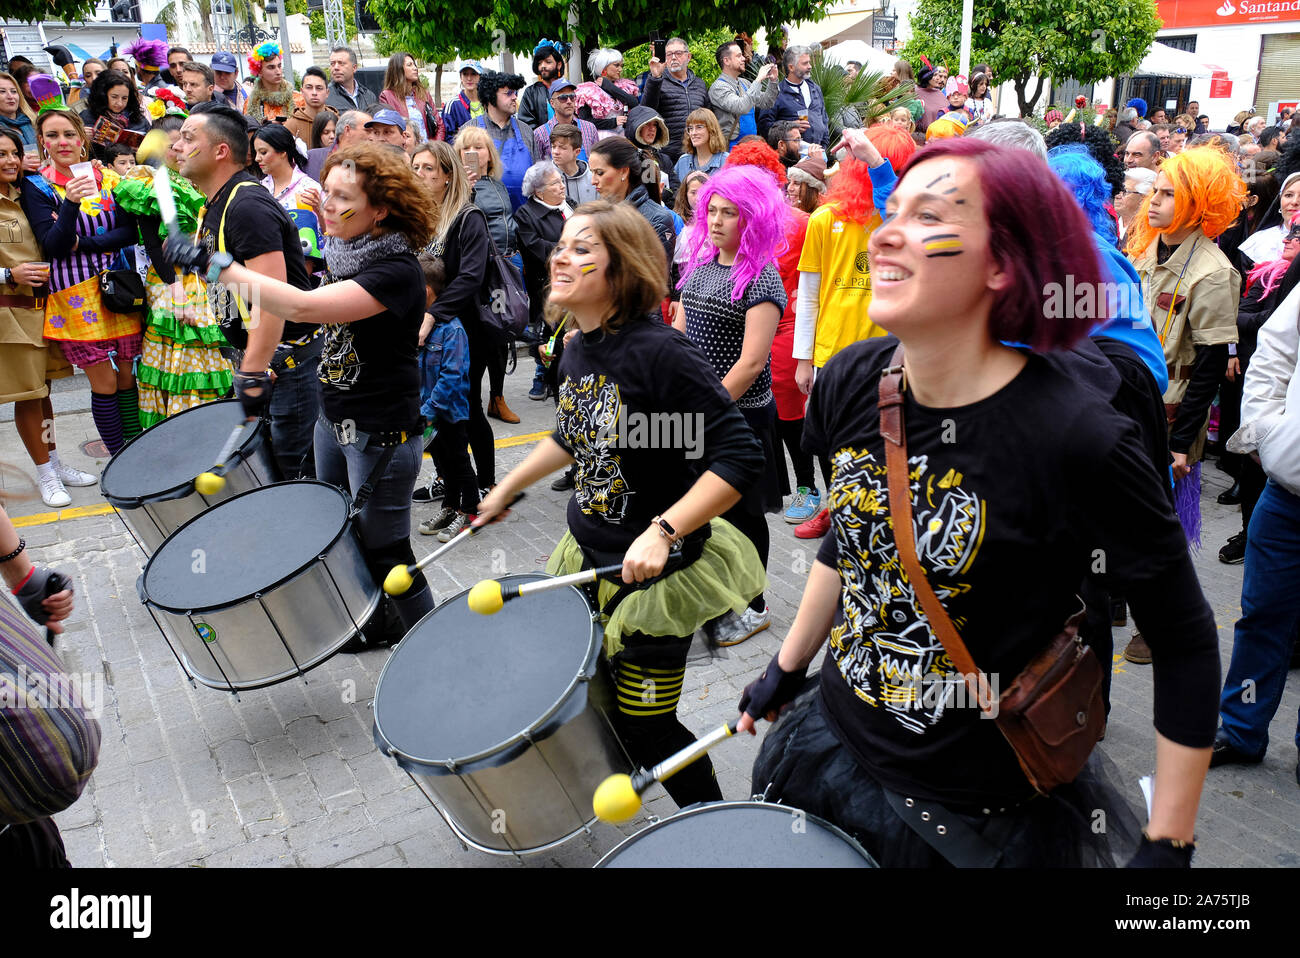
column 1167, row 61
column 827, row 30
column 871, row 58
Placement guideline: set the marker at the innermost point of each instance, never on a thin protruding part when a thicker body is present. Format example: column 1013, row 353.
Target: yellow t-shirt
column 837, row 249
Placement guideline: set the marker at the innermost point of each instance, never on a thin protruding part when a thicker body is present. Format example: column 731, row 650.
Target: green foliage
column 317, row 19
column 702, row 46
column 865, row 96
column 31, row 11
column 433, row 31
column 1086, row 40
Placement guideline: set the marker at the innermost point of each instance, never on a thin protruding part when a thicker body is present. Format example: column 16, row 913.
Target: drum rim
column 478, row 761
column 256, row 438
column 191, row 610
column 701, row 808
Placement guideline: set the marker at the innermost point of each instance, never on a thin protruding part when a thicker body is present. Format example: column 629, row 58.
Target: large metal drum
column 739, row 835
column 151, row 479
column 501, row 719
column 261, row 587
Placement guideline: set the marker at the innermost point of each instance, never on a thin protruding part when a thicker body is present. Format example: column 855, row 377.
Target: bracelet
column 666, row 530
column 22, row 544
column 1178, row 843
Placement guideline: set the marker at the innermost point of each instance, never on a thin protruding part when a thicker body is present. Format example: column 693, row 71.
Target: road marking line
column 87, row 512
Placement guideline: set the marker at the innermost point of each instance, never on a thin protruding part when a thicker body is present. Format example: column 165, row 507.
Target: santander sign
column 1214, row 13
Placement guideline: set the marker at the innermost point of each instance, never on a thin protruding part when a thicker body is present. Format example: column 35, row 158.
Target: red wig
column 894, row 143
column 757, row 153
column 1038, row 234
column 850, row 192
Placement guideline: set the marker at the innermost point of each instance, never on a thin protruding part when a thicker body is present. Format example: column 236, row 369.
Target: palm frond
column 861, row 101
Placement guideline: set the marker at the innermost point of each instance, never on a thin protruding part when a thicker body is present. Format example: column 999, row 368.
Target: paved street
column 290, row 775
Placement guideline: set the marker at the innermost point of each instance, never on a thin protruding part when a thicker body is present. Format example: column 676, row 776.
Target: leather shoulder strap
column 892, row 383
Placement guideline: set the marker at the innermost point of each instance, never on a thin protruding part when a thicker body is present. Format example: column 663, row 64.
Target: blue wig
column 1087, row 181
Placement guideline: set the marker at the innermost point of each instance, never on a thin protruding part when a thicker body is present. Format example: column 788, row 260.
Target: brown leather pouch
column 1171, row 411
column 1166, row 300
column 1052, row 713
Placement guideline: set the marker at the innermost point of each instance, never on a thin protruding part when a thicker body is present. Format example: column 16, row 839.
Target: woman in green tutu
column 661, row 451
column 182, row 365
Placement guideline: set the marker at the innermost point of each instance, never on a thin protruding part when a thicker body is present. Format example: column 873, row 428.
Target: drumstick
column 489, row 595
column 618, row 797
column 214, row 480
column 399, row 577
column 152, row 152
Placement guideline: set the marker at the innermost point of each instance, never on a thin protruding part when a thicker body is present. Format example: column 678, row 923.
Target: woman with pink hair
column 732, row 299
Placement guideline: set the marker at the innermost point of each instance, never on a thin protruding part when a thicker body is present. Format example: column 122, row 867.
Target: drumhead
column 463, row 686
column 163, row 461
column 247, row 544
column 739, row 835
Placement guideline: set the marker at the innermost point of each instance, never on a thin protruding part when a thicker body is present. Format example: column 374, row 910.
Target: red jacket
column 432, row 118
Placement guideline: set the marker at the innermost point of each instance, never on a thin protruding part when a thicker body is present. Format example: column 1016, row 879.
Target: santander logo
column 1227, row 9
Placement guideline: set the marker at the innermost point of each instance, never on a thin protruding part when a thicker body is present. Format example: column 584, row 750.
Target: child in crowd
column 444, row 404
column 121, row 157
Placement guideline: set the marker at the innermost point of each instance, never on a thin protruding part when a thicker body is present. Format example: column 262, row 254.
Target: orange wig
column 894, row 143
column 757, row 153
column 1208, row 193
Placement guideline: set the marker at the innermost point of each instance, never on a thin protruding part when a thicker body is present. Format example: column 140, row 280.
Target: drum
column 151, row 479
column 261, row 587
column 501, row 720
column 739, row 835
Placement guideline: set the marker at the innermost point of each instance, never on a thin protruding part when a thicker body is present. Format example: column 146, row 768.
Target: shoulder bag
column 1052, row 714
column 503, row 307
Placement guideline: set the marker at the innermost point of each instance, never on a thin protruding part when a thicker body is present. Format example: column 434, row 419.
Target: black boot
column 413, row 607
column 1231, row 497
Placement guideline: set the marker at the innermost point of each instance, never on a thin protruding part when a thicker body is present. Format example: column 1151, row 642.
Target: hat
column 387, row 118
column 261, row 54
column 308, row 227
column 148, row 54
column 1053, row 116
column 1138, row 104
column 46, row 92
column 561, row 84
column 473, row 66
column 223, row 62
column 810, row 171
column 956, row 84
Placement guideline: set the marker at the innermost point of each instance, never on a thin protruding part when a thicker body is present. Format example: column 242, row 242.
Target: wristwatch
column 666, row 530
column 216, row 263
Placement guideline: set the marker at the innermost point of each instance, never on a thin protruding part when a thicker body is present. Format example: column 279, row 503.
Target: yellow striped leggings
column 648, row 675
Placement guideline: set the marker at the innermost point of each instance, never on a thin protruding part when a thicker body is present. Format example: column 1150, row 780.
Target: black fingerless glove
column 40, row 585
column 183, row 254
column 773, row 690
column 254, row 406
column 1163, row 853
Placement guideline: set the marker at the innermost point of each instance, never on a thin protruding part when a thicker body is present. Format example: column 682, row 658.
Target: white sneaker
column 74, row 477
column 53, row 493
column 734, row 629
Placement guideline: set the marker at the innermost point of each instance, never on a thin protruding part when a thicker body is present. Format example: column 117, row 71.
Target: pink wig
column 1271, row 273
column 1037, row 232
column 763, row 220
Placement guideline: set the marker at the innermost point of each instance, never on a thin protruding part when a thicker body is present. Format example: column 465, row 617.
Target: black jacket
column 538, row 229
column 675, row 100
column 534, row 105
column 659, row 217
column 467, row 247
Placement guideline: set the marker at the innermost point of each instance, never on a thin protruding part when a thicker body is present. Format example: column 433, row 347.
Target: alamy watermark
column 1096, row 301
column 655, row 430
column 29, row 689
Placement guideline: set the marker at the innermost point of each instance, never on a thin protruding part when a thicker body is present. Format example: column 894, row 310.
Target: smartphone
column 659, row 47
column 471, row 161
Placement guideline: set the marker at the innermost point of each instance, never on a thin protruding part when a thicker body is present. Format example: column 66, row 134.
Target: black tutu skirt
column 767, row 493
column 1086, row 824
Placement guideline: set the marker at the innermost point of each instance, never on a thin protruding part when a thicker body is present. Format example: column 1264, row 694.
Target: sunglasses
column 565, row 97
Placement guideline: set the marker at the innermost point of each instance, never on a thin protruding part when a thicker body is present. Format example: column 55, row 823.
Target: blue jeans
column 295, row 404
column 386, row 516
column 1270, row 606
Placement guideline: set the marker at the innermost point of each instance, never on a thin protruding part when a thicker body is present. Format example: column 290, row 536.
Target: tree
column 32, row 11
column 171, row 13
column 316, row 18
column 859, row 102
column 1024, row 40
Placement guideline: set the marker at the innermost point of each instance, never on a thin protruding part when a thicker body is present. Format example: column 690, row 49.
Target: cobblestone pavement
column 290, row 775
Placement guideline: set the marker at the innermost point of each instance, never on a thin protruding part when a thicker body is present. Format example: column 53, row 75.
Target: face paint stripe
column 941, row 176
column 590, row 268
column 941, row 236
column 346, row 214
column 955, row 252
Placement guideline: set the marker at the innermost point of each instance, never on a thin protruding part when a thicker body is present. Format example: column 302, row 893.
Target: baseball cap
column 224, row 62
column 471, row 65
column 561, row 84
column 388, row 118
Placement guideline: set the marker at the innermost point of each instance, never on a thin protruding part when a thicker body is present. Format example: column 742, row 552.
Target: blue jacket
column 456, row 114
column 444, row 373
column 22, row 125
column 1132, row 324
column 787, row 106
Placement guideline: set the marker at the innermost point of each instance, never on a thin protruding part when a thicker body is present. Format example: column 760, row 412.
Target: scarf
column 347, row 258
column 260, row 98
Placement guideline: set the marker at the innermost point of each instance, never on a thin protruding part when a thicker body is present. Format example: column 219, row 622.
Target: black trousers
column 450, row 451
column 484, row 354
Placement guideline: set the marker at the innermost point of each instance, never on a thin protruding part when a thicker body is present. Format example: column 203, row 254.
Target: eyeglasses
column 511, row 94
column 696, row 128
column 679, row 53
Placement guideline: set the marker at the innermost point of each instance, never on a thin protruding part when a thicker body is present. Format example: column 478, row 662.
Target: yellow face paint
column 590, row 268
column 193, row 153
column 944, row 244
column 346, row 214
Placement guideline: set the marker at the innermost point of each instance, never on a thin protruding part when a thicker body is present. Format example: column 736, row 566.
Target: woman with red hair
column 834, row 276
column 964, row 467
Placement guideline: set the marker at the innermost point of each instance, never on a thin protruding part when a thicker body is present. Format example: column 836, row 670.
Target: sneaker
column 1234, row 551
column 455, row 527
column 733, row 629
column 74, row 477
column 805, row 504
column 814, row 528
column 439, row 522
column 538, row 392
column 564, row 483
column 53, row 493
column 431, row 491
column 1138, row 652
